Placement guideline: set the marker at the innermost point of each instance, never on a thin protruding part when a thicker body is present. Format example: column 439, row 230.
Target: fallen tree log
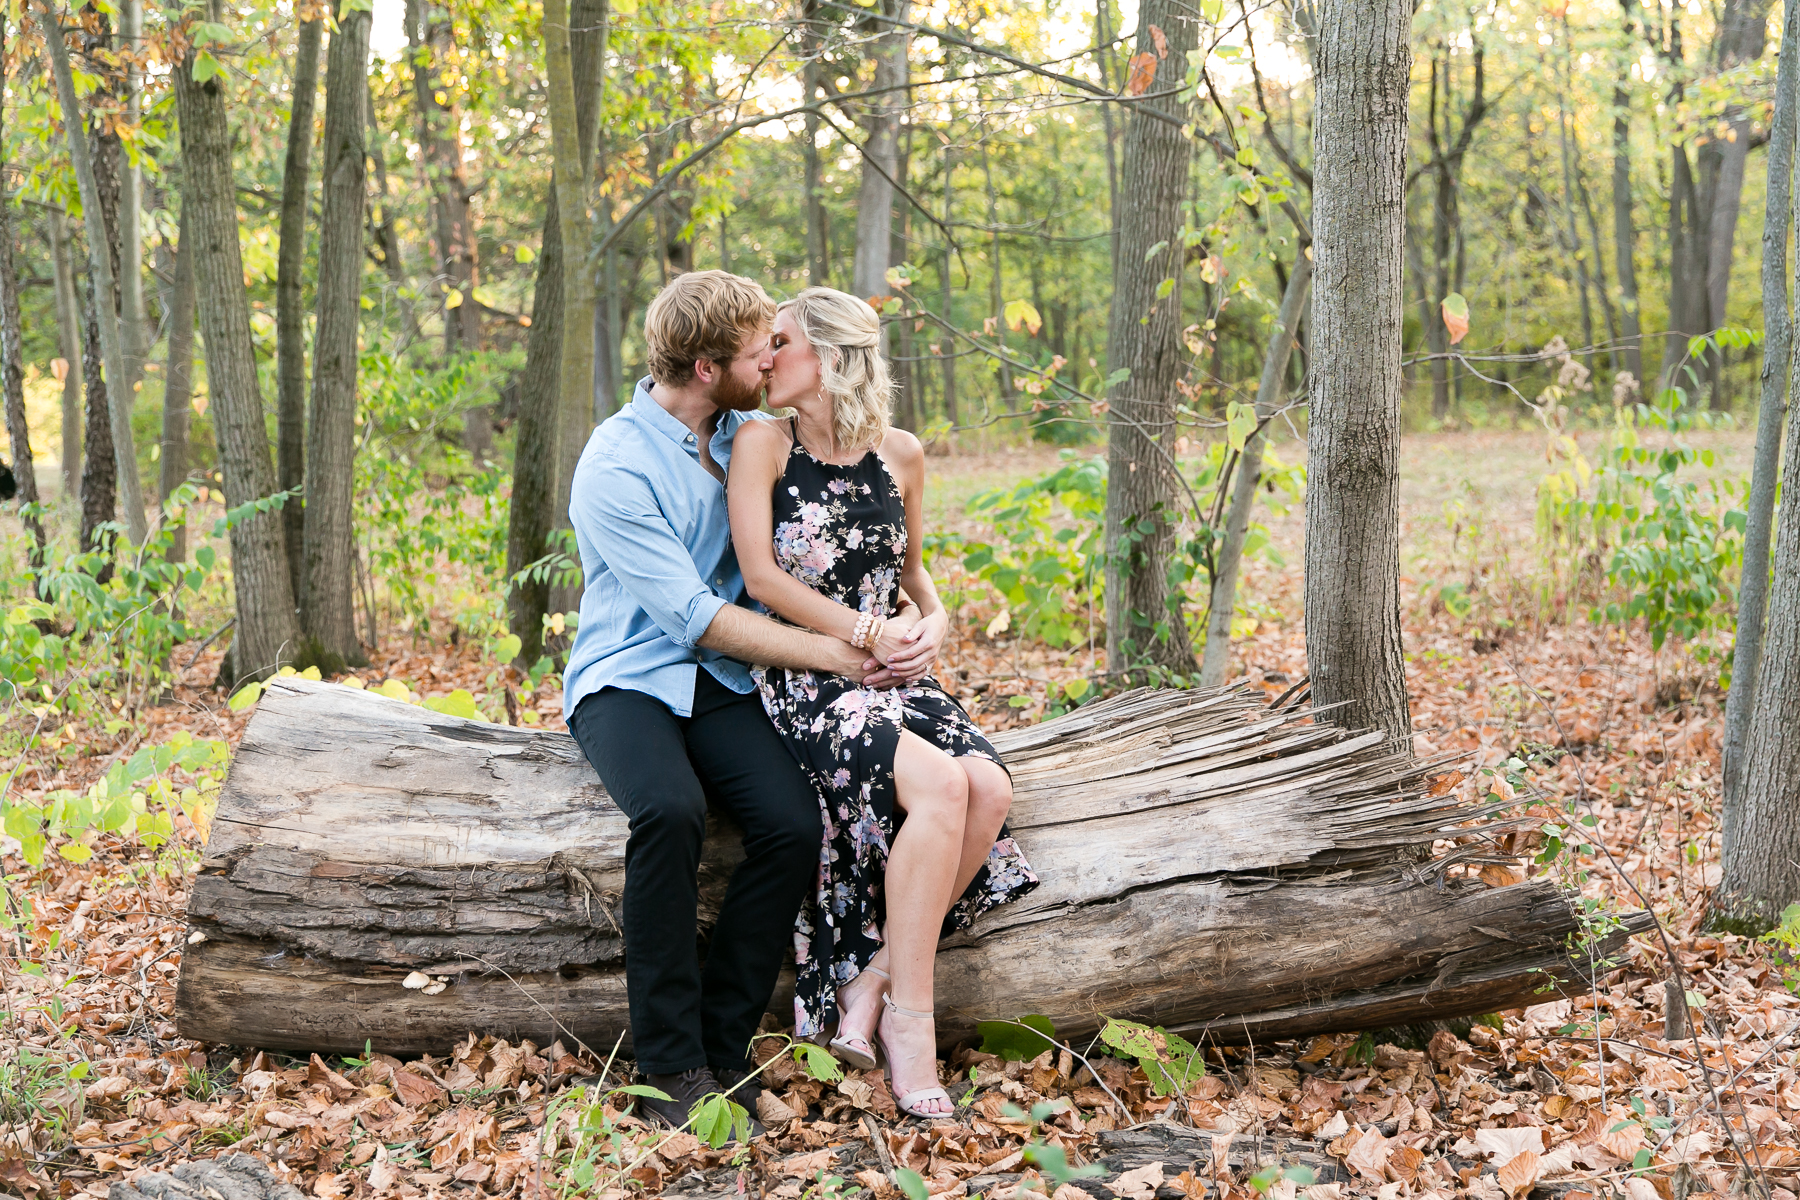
column 1208, row 865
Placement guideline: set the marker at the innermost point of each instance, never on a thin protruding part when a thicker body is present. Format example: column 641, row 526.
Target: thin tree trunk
column 69, row 331
column 290, row 312
column 328, row 610
column 1143, row 491
column 947, row 303
column 536, row 457
column 12, row 352
column 381, row 224
column 573, row 147
column 178, row 387
column 1353, row 635
column 881, row 159
column 818, row 271
column 268, row 628
column 1624, row 236
column 1574, row 223
column 997, row 274
column 133, row 322
column 440, row 144
column 100, row 472
column 1217, row 655
column 906, row 407
column 101, row 270
column 1102, row 57
column 1762, row 857
column 1777, row 372
column 1688, row 314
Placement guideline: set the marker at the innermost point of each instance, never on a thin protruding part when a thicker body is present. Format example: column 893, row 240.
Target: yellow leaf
column 557, row 623
column 351, row 681
column 1000, row 624
column 1456, row 316
column 1021, row 312
column 453, row 299
column 393, row 689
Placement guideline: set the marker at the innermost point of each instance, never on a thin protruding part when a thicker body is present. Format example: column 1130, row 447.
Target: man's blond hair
column 703, row 314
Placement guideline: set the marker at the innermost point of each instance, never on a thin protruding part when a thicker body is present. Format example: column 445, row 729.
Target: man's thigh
column 638, row 748
column 747, row 769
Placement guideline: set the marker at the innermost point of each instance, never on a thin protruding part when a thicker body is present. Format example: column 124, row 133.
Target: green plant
column 1784, row 939
column 136, row 800
column 1672, row 545
column 1052, row 1161
column 1170, row 1061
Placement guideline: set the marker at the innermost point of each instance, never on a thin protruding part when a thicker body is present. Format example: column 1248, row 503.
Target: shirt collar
column 647, row 410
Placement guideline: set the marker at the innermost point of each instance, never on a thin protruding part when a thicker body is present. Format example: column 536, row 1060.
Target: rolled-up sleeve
column 617, row 511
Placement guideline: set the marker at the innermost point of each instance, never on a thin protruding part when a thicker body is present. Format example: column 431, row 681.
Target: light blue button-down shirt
column 656, row 553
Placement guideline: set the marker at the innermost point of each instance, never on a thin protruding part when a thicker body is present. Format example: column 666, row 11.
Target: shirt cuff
column 706, row 606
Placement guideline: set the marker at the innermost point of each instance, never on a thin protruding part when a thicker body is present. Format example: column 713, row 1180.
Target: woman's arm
column 911, row 653
column 758, row 454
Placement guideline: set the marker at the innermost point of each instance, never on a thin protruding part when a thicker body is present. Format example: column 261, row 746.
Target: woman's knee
column 930, row 785
column 990, row 788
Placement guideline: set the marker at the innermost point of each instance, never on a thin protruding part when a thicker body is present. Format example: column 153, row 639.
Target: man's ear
column 706, row 371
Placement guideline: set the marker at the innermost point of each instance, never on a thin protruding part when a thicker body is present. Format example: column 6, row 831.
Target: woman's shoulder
column 902, row 448
column 767, row 440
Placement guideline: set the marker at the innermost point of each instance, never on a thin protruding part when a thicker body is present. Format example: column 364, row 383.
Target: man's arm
column 751, row 638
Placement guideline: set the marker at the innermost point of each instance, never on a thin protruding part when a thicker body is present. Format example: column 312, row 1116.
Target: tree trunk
column 1624, row 236
column 947, row 303
column 133, row 323
column 440, row 142
column 69, row 338
column 100, row 471
column 268, row 629
column 1217, row 654
column 1688, row 315
column 881, row 157
column 1143, row 626
column 381, row 225
column 573, row 146
column 1761, row 857
column 536, row 455
column 1777, row 371
column 818, row 270
column 328, row 607
column 12, row 351
column 178, row 386
column 1353, row 636
column 1205, row 865
column 100, row 269
column 290, row 312
column 900, row 331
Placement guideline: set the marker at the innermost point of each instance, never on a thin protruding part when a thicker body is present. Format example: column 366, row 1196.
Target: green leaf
column 1012, row 1042
column 245, row 696
column 507, row 648
column 205, row 66
column 75, row 852
column 911, row 1183
column 640, row 1089
column 718, row 1119
column 817, row 1062
column 1240, row 423
column 458, row 703
column 1075, row 689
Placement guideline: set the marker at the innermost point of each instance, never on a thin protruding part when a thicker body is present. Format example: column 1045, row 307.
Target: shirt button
column 690, row 438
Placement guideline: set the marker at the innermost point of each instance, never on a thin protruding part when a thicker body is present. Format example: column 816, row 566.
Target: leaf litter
column 1580, row 1098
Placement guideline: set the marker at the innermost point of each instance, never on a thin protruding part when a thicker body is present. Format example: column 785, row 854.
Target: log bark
column 1251, row 883
column 1353, row 636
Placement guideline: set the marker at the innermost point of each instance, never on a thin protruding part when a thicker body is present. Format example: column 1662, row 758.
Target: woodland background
column 302, row 324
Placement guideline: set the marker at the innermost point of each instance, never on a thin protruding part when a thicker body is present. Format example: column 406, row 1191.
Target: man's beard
column 731, row 394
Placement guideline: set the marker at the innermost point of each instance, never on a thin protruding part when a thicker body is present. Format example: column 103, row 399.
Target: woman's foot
column 909, row 1038
column 859, row 1007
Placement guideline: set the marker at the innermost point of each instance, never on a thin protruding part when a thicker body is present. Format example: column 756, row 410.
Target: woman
column 827, row 518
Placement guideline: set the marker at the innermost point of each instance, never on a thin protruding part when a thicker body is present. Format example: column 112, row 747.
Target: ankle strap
column 906, row 1012
column 878, row 971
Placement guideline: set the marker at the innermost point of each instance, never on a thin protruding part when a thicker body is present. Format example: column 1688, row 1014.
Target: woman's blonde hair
column 846, row 335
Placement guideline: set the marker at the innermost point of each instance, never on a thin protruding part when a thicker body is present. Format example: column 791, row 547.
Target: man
column 658, row 695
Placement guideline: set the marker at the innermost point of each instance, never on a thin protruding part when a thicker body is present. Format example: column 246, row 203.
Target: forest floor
column 1583, row 1098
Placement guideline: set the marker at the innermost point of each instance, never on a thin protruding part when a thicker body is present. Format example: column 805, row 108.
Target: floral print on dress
column 841, row 530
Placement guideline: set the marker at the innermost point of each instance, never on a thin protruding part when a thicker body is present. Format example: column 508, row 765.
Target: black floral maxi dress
column 841, row 530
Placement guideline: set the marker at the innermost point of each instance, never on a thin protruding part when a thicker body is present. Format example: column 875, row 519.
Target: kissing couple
column 757, row 631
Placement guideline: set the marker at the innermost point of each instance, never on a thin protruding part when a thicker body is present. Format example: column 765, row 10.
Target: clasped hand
column 906, row 651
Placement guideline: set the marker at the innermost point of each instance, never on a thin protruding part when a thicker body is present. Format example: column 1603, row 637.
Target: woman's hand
column 911, row 653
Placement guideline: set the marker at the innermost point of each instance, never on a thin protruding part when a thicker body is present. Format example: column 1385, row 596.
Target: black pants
column 661, row 770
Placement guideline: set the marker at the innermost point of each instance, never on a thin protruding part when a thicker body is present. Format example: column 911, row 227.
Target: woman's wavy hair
column 846, row 335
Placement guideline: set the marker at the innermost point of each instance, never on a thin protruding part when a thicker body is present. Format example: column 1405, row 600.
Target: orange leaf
column 1497, row 875
column 1143, row 73
column 1519, row 1173
column 1162, row 43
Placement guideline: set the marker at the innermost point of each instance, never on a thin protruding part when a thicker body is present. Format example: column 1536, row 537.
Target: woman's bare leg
column 921, row 881
column 990, row 796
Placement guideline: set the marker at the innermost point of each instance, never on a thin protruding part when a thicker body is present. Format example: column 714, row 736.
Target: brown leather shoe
column 684, row 1090
column 729, row 1078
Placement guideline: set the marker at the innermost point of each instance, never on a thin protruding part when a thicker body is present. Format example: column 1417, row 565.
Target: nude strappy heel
column 909, row 1103
column 858, row 1052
